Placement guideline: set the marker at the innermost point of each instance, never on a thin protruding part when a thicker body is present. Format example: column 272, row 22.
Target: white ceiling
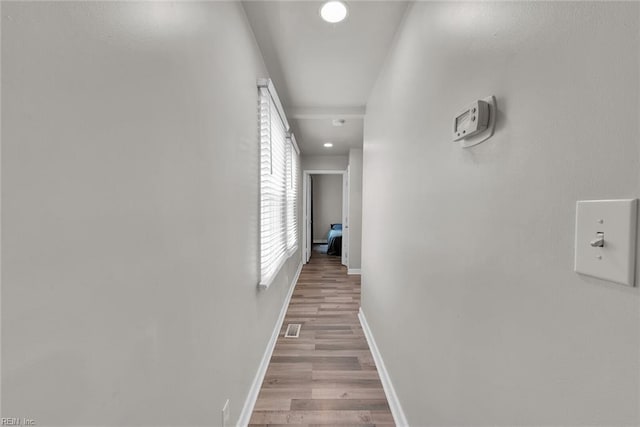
column 315, row 132
column 324, row 71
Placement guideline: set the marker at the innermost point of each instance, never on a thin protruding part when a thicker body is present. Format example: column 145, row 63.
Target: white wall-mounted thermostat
column 475, row 123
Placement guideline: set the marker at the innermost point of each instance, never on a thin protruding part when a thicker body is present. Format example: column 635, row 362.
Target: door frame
column 307, row 240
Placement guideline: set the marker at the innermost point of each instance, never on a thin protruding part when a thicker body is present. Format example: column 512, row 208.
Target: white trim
column 353, row 271
column 265, row 285
column 305, row 215
column 319, row 242
column 325, row 171
column 396, row 409
column 349, row 112
column 252, row 396
column 307, row 245
column 267, row 83
column 346, row 232
column 292, row 137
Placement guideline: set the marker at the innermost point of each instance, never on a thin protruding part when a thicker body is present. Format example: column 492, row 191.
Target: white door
column 308, row 241
column 345, row 218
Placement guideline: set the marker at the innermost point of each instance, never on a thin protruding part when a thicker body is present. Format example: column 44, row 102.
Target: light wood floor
column 326, row 376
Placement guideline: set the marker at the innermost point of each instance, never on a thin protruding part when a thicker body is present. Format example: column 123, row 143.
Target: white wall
column 327, row 204
column 130, row 213
column 355, row 208
column 468, row 281
column 324, row 162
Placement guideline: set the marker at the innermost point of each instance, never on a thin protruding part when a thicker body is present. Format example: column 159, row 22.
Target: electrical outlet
column 225, row 414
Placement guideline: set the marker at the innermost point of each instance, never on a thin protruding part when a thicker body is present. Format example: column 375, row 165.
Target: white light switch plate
column 615, row 261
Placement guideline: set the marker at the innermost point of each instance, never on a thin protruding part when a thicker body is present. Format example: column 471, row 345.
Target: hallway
column 327, row 375
column 162, row 162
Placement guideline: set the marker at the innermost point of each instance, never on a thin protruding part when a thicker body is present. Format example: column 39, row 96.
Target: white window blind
column 292, row 196
column 278, row 186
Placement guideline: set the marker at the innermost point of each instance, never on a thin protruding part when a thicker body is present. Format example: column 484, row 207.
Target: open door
column 345, row 218
column 307, row 213
column 308, row 220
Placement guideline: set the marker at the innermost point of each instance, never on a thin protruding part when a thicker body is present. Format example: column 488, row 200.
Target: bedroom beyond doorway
column 325, row 214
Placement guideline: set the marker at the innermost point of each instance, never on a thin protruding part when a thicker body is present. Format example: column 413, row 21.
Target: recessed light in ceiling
column 338, row 122
column 333, row 11
column 328, row 144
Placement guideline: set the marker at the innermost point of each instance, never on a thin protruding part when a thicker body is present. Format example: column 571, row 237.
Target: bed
column 334, row 240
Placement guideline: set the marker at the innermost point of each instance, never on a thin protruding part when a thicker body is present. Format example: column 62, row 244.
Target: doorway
column 323, row 225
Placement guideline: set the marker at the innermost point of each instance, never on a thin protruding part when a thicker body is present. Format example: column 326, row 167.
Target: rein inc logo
column 17, row 422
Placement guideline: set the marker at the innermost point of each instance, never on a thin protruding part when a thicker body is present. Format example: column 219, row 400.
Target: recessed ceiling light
column 333, row 11
column 328, row 144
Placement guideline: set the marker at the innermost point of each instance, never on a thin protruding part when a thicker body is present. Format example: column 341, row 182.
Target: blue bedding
column 334, row 240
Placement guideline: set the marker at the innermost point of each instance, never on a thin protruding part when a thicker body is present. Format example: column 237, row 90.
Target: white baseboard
column 250, row 402
column 319, row 242
column 353, row 271
column 396, row 409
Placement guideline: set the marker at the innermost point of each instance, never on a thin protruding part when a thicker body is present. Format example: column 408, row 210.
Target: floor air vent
column 293, row 330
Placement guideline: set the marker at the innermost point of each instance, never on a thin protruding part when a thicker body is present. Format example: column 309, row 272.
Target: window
column 279, row 172
column 292, row 195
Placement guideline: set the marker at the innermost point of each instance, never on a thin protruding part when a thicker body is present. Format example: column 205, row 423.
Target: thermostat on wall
column 475, row 123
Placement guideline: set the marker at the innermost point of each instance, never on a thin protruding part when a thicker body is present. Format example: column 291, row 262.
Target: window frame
column 279, row 188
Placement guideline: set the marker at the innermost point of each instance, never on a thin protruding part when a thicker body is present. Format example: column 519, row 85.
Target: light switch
column 606, row 239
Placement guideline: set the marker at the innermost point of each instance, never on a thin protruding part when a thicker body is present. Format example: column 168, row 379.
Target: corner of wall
column 254, row 390
column 399, row 416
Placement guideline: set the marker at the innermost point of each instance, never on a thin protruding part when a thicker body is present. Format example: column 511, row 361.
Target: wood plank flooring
column 326, row 376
